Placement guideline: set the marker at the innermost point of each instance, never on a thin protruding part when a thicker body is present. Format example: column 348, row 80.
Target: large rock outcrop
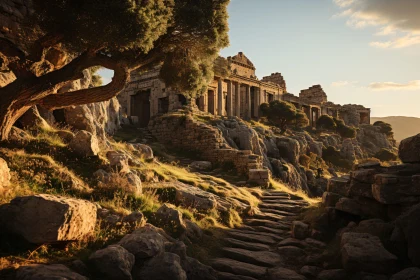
column 47, row 218
column 409, row 150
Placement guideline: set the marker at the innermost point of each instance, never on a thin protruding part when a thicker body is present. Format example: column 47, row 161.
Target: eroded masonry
column 240, row 94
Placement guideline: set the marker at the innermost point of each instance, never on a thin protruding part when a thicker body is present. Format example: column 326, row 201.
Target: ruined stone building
column 239, row 94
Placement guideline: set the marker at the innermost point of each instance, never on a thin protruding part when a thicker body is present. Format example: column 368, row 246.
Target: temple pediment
column 242, row 60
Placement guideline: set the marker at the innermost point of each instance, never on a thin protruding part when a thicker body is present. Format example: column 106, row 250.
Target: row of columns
column 235, row 104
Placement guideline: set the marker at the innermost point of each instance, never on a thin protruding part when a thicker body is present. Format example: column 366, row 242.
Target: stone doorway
column 140, row 107
column 163, row 105
column 211, row 102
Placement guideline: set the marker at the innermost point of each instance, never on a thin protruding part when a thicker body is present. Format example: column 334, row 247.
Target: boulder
column 333, row 274
column 142, row 150
column 339, row 186
column 409, row 149
column 4, row 174
column 310, row 271
column 316, row 148
column 409, row 225
column 145, row 242
column 281, row 273
column 330, row 199
column 170, row 219
column 136, row 219
column 201, row 165
column 177, row 248
column 394, row 189
column 361, row 182
column 300, row 230
column 161, row 267
column 113, row 263
column 47, row 218
column 193, row 197
column 363, row 207
column 85, row 143
column 118, row 161
column 134, row 184
column 412, row 273
column 365, row 252
column 195, row 270
column 42, row 272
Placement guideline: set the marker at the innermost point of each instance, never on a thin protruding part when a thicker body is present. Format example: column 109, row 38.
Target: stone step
column 278, row 212
column 260, row 233
column 285, row 201
column 229, row 276
column 239, row 268
column 268, row 216
column 252, row 237
column 278, row 232
column 282, row 194
column 267, row 223
column 246, row 245
column 260, row 258
column 281, row 207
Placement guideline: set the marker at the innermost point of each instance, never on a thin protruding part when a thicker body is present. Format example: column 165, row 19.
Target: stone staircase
column 253, row 248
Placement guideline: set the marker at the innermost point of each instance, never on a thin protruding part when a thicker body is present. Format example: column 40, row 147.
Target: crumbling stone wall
column 184, row 132
column 276, row 78
column 314, row 94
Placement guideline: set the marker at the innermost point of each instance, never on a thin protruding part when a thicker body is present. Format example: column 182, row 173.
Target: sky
column 360, row 51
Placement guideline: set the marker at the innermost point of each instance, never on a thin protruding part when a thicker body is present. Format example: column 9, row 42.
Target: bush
column 326, row 122
column 333, row 156
column 386, row 155
column 344, row 130
column 386, row 128
column 283, row 115
column 304, row 160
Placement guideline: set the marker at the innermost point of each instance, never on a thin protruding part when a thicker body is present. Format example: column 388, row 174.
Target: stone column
column 237, row 100
column 248, row 102
column 220, row 98
column 257, row 102
column 229, row 99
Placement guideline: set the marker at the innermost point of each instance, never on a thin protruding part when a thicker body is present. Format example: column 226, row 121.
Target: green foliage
column 386, row 128
column 96, row 79
column 326, row 122
column 344, row 130
column 185, row 35
column 386, row 155
column 283, row 114
column 333, row 156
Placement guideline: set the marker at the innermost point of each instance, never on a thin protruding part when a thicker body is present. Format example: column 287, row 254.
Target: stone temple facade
column 239, row 94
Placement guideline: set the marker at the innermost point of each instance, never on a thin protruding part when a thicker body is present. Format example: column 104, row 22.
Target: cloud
column 343, row 83
column 398, row 19
column 412, row 85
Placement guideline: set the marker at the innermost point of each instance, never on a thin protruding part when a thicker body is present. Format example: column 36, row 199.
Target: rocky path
column 253, row 248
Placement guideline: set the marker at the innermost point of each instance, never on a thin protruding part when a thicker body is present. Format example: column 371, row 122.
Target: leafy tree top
column 283, row 114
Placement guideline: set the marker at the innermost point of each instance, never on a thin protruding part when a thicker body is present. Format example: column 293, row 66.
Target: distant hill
column 403, row 126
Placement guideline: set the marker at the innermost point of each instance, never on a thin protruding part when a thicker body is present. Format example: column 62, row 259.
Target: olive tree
column 62, row 38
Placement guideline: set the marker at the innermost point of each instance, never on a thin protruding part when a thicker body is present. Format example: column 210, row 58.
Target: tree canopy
column 64, row 37
column 283, row 115
column 344, row 130
column 326, row 122
column 386, row 128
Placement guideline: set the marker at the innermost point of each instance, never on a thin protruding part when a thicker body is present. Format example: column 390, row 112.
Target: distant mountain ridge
column 403, row 127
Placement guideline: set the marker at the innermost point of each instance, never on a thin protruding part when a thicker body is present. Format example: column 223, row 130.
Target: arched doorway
column 140, row 107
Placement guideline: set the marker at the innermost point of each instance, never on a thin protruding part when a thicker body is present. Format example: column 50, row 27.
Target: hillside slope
column 403, row 126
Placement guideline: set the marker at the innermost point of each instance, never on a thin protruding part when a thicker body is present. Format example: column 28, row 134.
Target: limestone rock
column 85, row 143
column 142, row 150
column 170, row 219
column 281, row 273
column 46, row 218
column 409, row 150
column 134, row 182
column 362, row 207
column 310, row 271
column 412, row 273
column 161, row 267
column 409, row 224
column 300, row 230
column 201, row 165
column 394, row 189
column 339, row 186
column 135, row 219
column 42, row 272
column 365, row 252
column 198, row 271
column 113, row 263
column 330, row 199
column 189, row 196
column 372, row 140
column 118, row 161
column 4, row 174
column 145, row 242
column 333, row 274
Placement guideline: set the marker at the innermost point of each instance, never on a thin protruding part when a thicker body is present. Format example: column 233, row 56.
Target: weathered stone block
column 365, row 252
column 393, row 189
column 339, row 186
column 46, row 218
column 362, row 207
column 330, row 199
